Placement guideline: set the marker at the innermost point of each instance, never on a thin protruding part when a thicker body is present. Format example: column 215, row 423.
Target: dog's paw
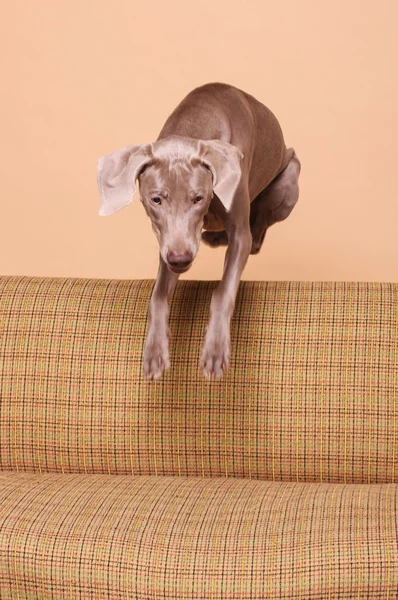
column 156, row 357
column 215, row 355
column 215, row 238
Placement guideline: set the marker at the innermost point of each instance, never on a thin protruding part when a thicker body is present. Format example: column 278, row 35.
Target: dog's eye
column 198, row 199
column 156, row 200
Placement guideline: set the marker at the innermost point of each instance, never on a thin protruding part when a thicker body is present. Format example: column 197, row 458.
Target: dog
column 220, row 172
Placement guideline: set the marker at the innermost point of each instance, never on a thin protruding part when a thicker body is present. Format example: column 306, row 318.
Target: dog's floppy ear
column 224, row 161
column 116, row 176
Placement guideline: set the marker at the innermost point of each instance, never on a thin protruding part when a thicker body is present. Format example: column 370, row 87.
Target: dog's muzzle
column 179, row 263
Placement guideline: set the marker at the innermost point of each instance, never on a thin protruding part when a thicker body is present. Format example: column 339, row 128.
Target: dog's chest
column 211, row 221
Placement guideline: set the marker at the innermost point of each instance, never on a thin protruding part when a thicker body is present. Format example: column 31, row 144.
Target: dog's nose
column 179, row 261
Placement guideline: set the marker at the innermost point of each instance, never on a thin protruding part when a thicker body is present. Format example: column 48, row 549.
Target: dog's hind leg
column 275, row 203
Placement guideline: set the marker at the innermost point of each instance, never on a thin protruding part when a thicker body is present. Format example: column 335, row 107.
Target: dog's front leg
column 156, row 349
column 216, row 349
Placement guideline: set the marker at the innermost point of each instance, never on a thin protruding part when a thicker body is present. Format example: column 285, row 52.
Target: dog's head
column 177, row 177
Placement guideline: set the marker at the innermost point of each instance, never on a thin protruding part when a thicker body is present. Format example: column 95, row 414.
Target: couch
column 277, row 481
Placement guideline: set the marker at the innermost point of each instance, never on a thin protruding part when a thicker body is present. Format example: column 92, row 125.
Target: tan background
column 82, row 78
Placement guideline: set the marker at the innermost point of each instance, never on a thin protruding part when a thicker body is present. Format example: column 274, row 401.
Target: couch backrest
column 311, row 394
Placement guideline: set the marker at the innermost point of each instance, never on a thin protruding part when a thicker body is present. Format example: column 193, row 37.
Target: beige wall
column 83, row 78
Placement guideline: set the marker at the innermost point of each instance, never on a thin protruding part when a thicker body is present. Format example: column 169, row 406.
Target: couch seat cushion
column 122, row 537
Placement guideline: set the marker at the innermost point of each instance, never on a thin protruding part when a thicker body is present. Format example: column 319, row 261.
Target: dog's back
column 224, row 112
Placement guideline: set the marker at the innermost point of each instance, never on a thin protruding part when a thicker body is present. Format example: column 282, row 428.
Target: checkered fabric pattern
column 189, row 538
column 278, row 481
column 311, row 394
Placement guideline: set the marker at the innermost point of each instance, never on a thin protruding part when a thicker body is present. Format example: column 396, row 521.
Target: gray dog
column 220, row 164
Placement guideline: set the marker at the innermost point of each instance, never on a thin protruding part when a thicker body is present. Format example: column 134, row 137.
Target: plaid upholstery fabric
column 103, row 536
column 311, row 394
